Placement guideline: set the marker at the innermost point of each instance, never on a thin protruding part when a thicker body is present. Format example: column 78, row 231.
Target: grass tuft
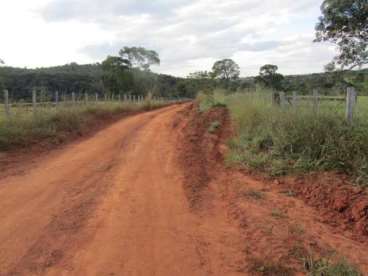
column 324, row 267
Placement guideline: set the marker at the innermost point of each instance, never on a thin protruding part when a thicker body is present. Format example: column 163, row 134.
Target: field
column 295, row 139
column 54, row 124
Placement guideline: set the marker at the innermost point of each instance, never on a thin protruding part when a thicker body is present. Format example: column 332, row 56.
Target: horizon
column 250, row 33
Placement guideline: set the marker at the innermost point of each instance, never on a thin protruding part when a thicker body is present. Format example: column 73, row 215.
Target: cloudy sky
column 188, row 34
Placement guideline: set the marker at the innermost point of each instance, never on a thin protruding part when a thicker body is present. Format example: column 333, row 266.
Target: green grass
column 287, row 140
column 54, row 125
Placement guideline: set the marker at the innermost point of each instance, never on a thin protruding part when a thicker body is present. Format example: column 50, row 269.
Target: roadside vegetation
column 55, row 125
column 286, row 140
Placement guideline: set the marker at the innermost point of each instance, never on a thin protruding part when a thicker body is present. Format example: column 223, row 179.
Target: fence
column 280, row 98
column 74, row 99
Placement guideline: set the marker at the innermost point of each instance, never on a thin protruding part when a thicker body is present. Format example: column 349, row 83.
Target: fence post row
column 351, row 97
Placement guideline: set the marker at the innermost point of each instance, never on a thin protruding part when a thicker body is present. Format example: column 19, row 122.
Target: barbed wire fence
column 41, row 100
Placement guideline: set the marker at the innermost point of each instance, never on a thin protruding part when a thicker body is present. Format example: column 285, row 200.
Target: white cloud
column 189, row 35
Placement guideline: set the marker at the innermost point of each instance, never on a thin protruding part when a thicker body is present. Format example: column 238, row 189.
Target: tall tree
column 1, row 61
column 140, row 57
column 226, row 69
column 270, row 78
column 345, row 23
column 115, row 74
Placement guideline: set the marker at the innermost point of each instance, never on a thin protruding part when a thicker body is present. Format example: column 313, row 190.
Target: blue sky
column 189, row 35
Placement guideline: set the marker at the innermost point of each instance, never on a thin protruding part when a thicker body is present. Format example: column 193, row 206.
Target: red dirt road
column 110, row 205
column 118, row 203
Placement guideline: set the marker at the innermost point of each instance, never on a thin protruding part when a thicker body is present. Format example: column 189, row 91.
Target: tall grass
column 54, row 125
column 297, row 139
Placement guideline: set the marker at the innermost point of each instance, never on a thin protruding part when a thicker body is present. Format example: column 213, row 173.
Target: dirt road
column 116, row 204
column 110, row 205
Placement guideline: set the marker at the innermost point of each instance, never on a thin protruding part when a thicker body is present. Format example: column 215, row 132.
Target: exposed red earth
column 150, row 195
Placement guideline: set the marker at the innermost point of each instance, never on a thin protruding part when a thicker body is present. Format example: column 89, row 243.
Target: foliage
column 89, row 79
column 116, row 74
column 345, row 23
column 215, row 125
column 226, row 70
column 140, row 57
column 207, row 100
column 270, row 78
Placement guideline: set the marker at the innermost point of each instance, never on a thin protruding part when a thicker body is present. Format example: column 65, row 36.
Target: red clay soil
column 340, row 203
column 150, row 195
column 280, row 224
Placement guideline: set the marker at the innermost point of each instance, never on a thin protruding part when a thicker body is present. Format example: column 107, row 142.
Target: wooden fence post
column 295, row 98
column 282, row 99
column 73, row 97
column 6, row 104
column 34, row 100
column 96, row 97
column 56, row 98
column 315, row 101
column 351, row 97
column 86, row 97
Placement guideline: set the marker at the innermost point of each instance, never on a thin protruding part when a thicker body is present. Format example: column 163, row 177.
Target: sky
column 189, row 35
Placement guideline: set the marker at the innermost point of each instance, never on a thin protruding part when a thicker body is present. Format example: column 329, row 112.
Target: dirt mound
column 202, row 135
column 340, row 203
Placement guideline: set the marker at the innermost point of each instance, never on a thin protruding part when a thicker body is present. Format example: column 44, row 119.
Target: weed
column 325, row 267
column 288, row 193
column 264, row 268
column 257, row 195
column 296, row 229
column 279, row 214
column 214, row 126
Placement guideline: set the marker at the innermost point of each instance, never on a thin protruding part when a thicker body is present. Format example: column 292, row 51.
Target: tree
column 116, row 73
column 226, row 69
column 1, row 61
column 345, row 23
column 270, row 78
column 140, row 57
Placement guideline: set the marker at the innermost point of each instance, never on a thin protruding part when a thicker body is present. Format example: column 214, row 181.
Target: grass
column 324, row 267
column 278, row 214
column 257, row 195
column 214, row 126
column 54, row 125
column 266, row 268
column 299, row 139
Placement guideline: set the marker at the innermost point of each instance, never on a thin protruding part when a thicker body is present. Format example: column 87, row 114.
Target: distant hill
column 326, row 83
